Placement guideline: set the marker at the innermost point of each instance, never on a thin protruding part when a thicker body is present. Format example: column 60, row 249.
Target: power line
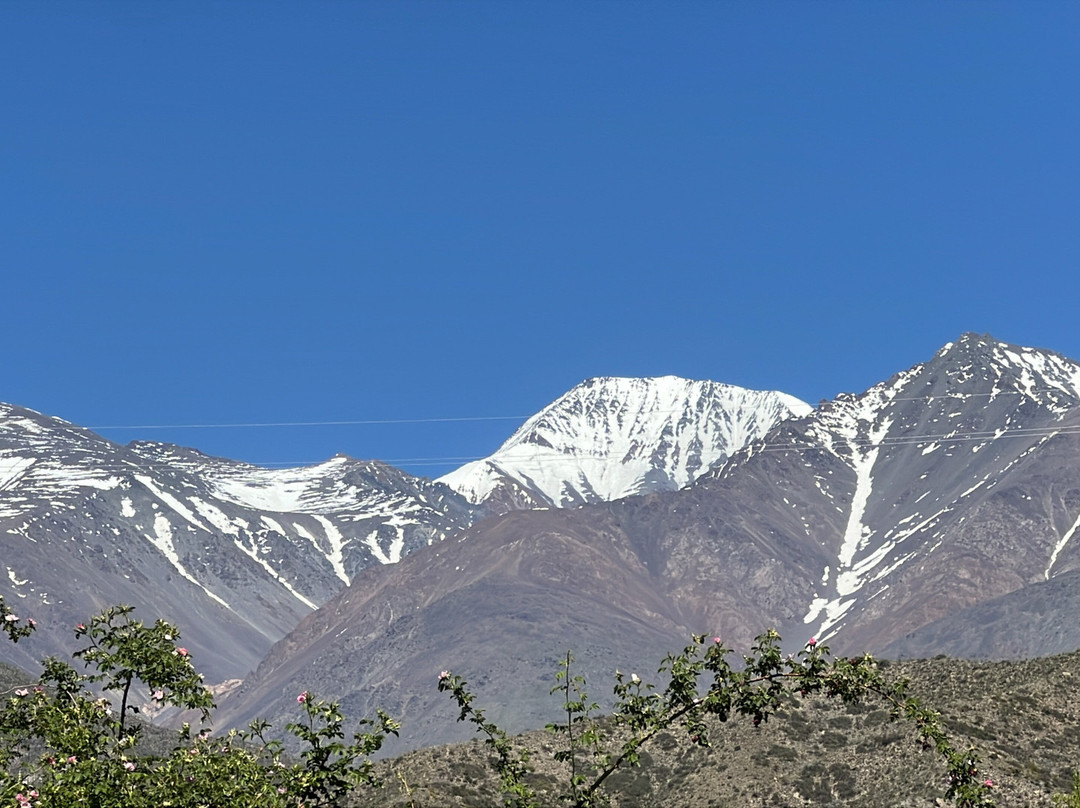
column 900, row 440
column 387, row 421
column 909, row 440
column 370, row 421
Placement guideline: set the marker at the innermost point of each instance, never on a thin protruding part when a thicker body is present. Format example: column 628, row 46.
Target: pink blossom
column 716, row 640
column 11, row 619
column 22, row 691
column 31, row 621
column 444, row 675
column 81, row 627
column 989, row 783
column 812, row 642
column 159, row 695
column 182, row 651
column 129, row 765
column 73, row 759
column 302, row 698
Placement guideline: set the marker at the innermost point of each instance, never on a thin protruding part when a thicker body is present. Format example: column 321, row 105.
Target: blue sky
column 216, row 213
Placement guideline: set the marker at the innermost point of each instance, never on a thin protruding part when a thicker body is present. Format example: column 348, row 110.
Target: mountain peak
column 611, row 437
column 1044, row 376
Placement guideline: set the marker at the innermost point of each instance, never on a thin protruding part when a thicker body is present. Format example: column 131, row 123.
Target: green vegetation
column 1071, row 800
column 765, row 683
column 64, row 743
column 61, row 745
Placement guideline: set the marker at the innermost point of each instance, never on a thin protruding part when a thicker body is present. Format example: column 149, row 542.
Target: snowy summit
column 609, row 438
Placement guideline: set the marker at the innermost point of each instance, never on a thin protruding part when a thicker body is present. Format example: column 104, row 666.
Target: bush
column 767, row 683
column 63, row 745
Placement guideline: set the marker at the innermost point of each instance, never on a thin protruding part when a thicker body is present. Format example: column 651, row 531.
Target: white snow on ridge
column 1041, row 372
column 292, row 490
column 171, row 501
column 856, row 534
column 856, row 430
column 63, row 477
column 13, row 468
column 1061, row 546
column 613, row 437
column 163, row 541
column 337, row 546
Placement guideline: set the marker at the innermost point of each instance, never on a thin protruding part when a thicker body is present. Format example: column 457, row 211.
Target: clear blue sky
column 301, row 211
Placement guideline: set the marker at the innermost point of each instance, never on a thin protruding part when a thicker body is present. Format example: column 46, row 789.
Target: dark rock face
column 1022, row 624
column 235, row 555
column 949, row 485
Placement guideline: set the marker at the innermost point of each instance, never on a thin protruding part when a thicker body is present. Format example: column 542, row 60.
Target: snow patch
column 163, row 541
column 1061, row 546
column 12, row 470
column 171, row 501
column 252, row 552
column 14, row 578
column 337, row 547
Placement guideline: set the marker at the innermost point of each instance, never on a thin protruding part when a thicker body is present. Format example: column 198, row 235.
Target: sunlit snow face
column 613, row 437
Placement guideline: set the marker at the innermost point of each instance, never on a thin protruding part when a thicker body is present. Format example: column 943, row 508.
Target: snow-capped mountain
column 912, row 473
column 236, row 554
column 941, row 503
column 610, row 438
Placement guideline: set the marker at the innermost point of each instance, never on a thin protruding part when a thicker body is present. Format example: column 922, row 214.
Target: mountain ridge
column 87, row 523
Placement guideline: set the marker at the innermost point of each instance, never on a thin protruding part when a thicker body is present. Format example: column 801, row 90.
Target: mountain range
column 870, row 522
column 233, row 553
column 238, row 554
column 932, row 513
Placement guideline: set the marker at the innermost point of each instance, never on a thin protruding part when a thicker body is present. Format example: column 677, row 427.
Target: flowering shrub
column 9, row 623
column 703, row 683
column 62, row 745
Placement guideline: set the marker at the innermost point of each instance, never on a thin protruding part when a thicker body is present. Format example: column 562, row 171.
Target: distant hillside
column 1023, row 717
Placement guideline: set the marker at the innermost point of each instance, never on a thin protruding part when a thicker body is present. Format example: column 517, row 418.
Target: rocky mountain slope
column 610, row 438
column 235, row 554
column 946, row 486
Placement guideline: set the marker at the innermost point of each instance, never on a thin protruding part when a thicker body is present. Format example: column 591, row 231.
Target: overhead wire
column 452, row 419
column 901, row 440
column 366, row 422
